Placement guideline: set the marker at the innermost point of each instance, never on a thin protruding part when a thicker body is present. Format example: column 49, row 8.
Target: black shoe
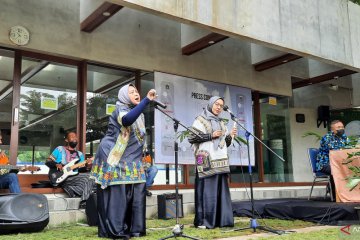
column 148, row 193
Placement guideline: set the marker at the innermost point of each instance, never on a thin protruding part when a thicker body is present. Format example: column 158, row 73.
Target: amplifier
column 166, row 206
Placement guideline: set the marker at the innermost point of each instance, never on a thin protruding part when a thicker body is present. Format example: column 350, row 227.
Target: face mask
column 73, row 144
column 340, row 132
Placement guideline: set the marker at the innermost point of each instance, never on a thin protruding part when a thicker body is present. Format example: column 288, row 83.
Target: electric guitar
column 21, row 168
column 58, row 176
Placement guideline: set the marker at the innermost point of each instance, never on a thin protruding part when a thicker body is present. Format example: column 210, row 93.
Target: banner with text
column 185, row 99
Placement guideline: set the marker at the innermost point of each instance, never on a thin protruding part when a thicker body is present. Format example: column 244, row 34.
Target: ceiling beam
column 273, row 62
column 323, row 78
column 26, row 75
column 202, row 43
column 33, row 70
column 99, row 16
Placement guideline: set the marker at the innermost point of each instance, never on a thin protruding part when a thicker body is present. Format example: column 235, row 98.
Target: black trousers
column 327, row 170
column 121, row 210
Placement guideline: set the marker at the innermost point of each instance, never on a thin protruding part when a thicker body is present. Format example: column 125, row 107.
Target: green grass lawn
column 160, row 228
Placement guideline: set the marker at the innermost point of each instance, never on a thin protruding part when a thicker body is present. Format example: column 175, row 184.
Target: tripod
column 253, row 221
column 178, row 228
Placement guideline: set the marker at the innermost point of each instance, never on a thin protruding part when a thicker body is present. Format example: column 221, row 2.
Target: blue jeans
column 10, row 181
column 150, row 175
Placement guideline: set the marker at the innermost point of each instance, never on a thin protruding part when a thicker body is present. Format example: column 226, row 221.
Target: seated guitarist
column 75, row 186
column 8, row 178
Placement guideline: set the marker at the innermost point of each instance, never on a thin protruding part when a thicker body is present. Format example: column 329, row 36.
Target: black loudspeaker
column 91, row 210
column 23, row 212
column 300, row 118
column 166, row 206
column 324, row 113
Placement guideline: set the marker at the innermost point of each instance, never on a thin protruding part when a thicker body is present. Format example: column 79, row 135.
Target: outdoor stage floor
column 318, row 210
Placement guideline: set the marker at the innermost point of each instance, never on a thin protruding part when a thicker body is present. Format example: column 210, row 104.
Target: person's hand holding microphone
column 151, row 94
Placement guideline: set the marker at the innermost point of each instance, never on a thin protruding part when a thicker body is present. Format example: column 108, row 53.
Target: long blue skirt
column 213, row 202
column 121, row 210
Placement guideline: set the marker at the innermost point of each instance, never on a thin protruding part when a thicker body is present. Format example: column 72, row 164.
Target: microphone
column 157, row 103
column 234, row 126
column 226, row 108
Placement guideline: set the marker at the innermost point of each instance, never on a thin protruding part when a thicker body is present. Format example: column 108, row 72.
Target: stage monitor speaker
column 91, row 210
column 324, row 113
column 23, row 212
column 166, row 206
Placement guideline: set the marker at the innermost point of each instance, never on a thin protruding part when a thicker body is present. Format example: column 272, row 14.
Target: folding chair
column 318, row 176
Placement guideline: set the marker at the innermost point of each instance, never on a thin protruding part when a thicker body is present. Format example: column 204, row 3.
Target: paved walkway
column 264, row 235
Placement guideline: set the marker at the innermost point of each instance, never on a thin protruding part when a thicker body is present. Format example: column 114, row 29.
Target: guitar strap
column 78, row 155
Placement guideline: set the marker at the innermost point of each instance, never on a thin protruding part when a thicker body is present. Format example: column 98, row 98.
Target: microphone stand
column 253, row 221
column 178, row 228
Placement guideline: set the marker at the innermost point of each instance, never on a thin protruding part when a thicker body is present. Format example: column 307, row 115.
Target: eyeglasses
column 219, row 105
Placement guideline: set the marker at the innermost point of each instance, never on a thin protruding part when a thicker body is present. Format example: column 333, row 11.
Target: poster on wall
column 185, row 99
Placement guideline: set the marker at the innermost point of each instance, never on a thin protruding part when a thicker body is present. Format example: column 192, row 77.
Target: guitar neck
column 78, row 165
column 11, row 167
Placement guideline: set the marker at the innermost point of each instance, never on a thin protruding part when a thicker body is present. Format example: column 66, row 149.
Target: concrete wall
column 321, row 94
column 190, row 34
column 299, row 68
column 261, row 53
column 354, row 20
column 317, row 68
column 323, row 29
column 134, row 39
column 355, row 79
column 87, row 7
column 300, row 163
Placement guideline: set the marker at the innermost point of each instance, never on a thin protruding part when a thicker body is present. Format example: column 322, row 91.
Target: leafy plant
column 182, row 135
column 240, row 140
column 353, row 140
column 356, row 1
column 316, row 135
column 354, row 178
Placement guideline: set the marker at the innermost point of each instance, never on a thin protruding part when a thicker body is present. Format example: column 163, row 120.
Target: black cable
column 328, row 211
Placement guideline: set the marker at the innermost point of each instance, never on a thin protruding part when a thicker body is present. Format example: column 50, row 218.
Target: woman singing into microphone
column 212, row 196
column 118, row 169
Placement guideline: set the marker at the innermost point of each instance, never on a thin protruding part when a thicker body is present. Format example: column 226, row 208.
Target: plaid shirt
column 329, row 142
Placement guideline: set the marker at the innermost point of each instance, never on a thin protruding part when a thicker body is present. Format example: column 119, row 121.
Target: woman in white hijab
column 212, row 196
column 118, row 170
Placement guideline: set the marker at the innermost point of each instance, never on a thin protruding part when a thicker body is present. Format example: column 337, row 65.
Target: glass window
column 48, row 109
column 103, row 85
column 276, row 134
column 6, row 96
